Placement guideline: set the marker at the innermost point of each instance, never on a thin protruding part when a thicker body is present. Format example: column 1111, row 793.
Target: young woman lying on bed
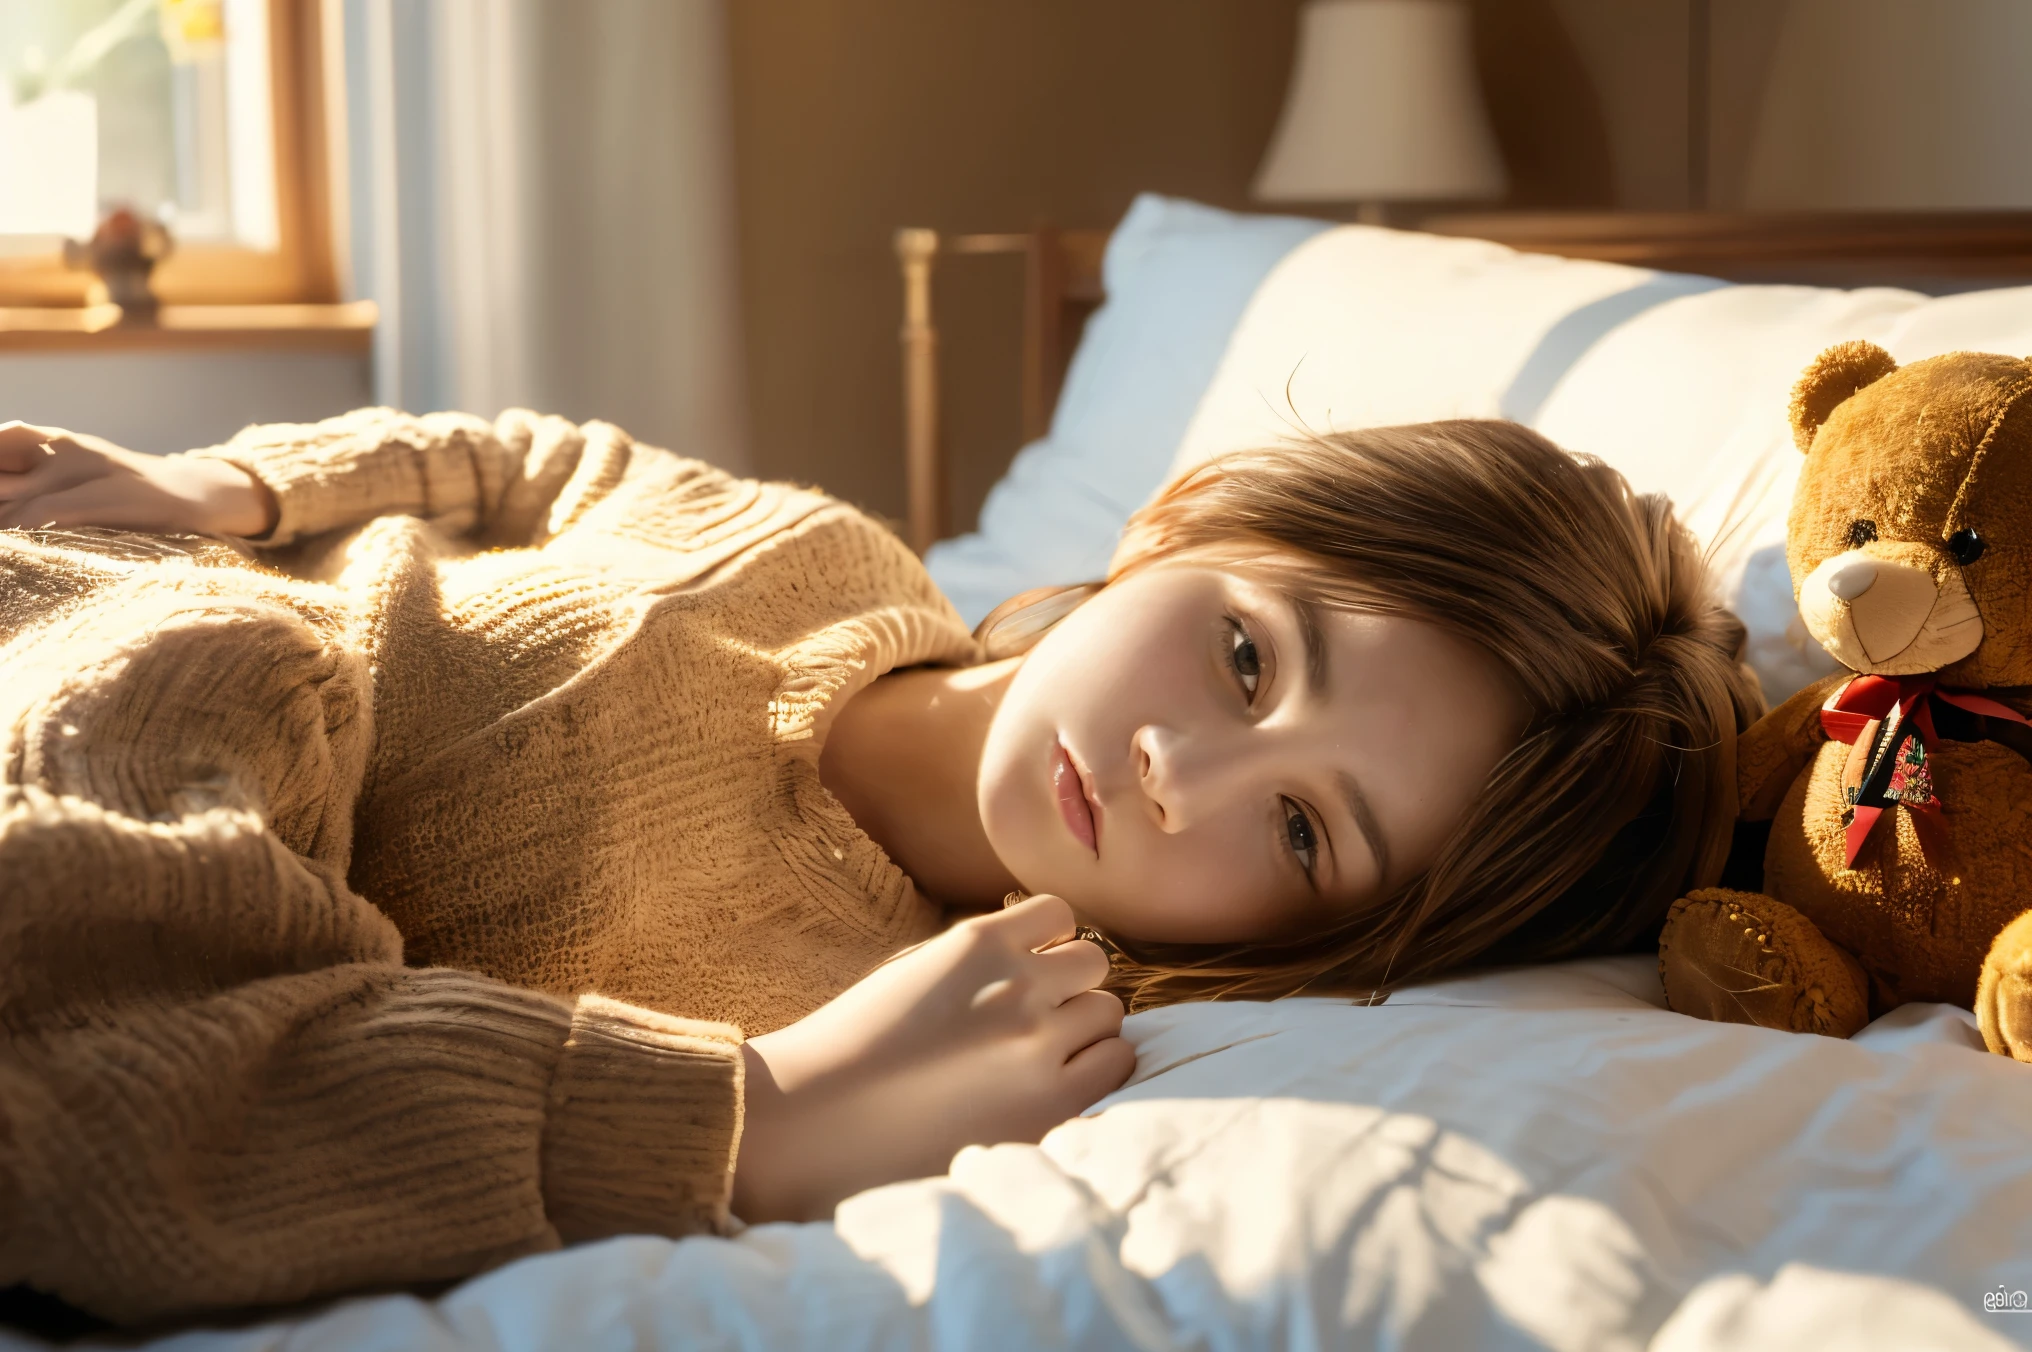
column 390, row 896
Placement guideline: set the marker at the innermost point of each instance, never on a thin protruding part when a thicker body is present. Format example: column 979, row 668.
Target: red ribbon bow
column 1889, row 722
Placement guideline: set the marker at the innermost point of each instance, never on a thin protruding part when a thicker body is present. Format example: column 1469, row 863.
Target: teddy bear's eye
column 1861, row 533
column 1966, row 546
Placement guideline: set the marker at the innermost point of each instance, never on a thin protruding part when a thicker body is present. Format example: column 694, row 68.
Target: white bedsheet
column 1532, row 1158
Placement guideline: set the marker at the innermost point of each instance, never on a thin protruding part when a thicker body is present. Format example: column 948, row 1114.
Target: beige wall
column 1635, row 55
column 1891, row 105
column 1635, row 58
column 854, row 118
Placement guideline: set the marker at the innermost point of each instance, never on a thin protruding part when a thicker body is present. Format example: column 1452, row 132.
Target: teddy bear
column 1894, row 799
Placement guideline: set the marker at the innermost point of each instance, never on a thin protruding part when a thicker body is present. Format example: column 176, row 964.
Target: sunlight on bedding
column 1392, row 1204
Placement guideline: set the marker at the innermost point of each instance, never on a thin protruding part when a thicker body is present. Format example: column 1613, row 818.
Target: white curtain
column 542, row 203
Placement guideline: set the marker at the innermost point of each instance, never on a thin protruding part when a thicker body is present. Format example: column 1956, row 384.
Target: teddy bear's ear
column 1835, row 375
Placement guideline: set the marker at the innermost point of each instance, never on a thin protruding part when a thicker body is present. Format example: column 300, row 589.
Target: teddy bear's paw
column 2004, row 993
column 1741, row 957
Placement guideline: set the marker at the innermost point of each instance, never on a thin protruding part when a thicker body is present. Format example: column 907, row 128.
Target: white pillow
column 1178, row 276
column 1679, row 382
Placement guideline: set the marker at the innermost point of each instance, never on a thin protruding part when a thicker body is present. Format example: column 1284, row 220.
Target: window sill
column 347, row 328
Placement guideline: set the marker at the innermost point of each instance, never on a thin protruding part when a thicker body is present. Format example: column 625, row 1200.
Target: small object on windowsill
column 123, row 251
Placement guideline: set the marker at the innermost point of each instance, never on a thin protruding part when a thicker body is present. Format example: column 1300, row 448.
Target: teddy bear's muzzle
column 1891, row 608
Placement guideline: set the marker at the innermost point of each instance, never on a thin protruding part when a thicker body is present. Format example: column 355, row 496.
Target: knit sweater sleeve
column 362, row 1125
column 503, row 483
column 220, row 1085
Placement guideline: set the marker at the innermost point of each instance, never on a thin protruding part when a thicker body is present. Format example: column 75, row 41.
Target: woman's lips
column 1073, row 803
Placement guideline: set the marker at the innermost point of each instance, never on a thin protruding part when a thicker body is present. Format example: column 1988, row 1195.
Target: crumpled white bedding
column 1525, row 1158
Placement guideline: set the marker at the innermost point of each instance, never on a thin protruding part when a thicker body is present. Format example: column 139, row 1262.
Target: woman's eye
column 1242, row 656
column 1299, row 835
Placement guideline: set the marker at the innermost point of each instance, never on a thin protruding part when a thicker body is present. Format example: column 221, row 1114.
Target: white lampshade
column 1383, row 107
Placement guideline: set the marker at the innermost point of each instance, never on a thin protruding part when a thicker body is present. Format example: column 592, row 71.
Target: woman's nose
column 1150, row 752
column 1184, row 778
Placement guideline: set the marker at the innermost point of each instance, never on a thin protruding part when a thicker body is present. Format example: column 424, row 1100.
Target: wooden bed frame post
column 923, row 462
column 1062, row 286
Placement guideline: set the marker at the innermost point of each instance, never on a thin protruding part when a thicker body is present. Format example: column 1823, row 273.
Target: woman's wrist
column 233, row 501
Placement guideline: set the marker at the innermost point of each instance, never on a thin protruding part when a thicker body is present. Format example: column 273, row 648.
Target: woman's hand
column 992, row 1031
column 53, row 478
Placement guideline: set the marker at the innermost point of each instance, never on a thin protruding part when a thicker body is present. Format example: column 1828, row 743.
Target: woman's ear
column 1835, row 375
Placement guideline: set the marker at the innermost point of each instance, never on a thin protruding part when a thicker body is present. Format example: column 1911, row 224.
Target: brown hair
column 1620, row 795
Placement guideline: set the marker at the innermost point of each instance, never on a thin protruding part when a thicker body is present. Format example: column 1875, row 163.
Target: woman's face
column 1192, row 757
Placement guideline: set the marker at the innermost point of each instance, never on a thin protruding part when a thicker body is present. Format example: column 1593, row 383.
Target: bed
column 1512, row 1158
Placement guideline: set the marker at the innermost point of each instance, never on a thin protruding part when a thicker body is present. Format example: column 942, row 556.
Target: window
column 206, row 115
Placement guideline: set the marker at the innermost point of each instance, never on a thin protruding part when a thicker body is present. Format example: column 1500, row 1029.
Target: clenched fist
column 993, row 1031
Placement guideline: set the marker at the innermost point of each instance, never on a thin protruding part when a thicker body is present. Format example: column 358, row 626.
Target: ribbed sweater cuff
column 371, row 462
column 644, row 1118
column 316, row 486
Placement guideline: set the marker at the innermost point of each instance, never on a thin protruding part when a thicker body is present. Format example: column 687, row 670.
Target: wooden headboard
column 1934, row 252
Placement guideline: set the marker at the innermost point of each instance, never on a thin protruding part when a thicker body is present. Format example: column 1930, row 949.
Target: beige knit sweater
column 387, row 908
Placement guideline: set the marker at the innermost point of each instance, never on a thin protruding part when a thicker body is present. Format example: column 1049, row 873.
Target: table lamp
column 1383, row 107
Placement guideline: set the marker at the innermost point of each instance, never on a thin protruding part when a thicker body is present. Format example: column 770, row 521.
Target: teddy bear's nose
column 1852, row 579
